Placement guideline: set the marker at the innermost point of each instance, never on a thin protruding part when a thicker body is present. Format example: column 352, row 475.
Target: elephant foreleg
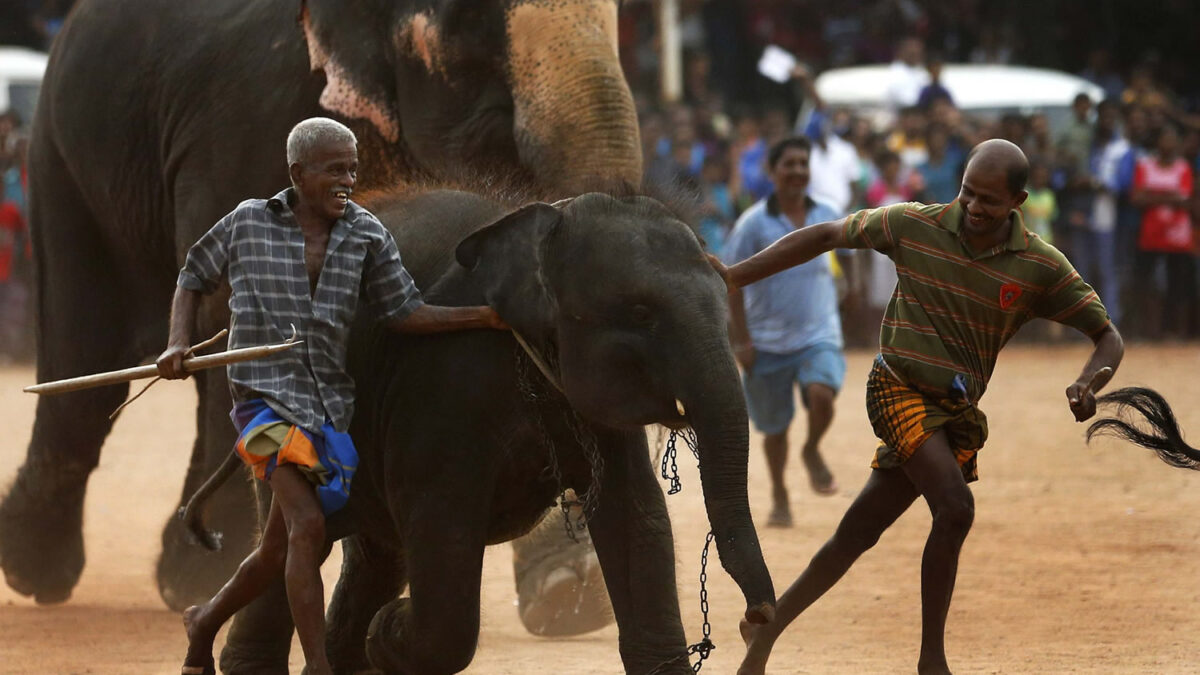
column 371, row 576
column 84, row 327
column 436, row 629
column 632, row 534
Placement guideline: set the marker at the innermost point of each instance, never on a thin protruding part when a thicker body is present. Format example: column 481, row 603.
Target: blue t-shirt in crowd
column 942, row 179
column 752, row 166
column 797, row 307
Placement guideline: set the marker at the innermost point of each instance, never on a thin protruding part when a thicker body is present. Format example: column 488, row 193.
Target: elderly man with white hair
column 297, row 259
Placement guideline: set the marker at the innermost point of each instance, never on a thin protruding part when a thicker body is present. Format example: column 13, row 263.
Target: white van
column 21, row 73
column 982, row 90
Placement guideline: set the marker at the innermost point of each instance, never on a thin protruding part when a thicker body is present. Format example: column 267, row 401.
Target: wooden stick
column 191, row 350
column 138, row 372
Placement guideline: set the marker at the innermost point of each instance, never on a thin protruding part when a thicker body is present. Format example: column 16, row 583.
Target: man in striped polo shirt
column 970, row 275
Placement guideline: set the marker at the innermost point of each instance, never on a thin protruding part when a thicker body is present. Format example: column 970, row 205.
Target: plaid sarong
column 904, row 418
column 266, row 440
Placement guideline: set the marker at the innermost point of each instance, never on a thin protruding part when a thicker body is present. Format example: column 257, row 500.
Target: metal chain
column 537, row 396
column 705, row 646
column 669, row 456
column 660, row 442
column 540, row 396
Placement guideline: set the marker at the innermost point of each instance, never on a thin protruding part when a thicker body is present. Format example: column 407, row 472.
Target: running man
column 786, row 331
column 970, row 275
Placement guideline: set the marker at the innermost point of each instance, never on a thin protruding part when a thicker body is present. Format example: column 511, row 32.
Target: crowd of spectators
column 1112, row 187
column 15, row 252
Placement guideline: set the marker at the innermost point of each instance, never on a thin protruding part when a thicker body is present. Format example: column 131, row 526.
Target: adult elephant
column 625, row 321
column 157, row 117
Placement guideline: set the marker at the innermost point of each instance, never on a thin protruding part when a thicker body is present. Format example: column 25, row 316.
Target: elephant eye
column 641, row 314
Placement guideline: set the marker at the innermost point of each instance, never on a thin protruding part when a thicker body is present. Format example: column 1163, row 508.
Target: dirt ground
column 1082, row 559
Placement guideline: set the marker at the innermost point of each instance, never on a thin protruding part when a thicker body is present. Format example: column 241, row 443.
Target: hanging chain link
column 587, row 501
column 705, row 646
column 669, row 457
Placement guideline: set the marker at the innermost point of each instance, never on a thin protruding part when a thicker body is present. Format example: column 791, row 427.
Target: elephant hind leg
column 82, row 329
column 372, row 575
column 560, row 587
column 188, row 574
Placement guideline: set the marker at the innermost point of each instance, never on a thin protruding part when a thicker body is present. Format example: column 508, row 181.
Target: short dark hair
column 781, row 146
column 1016, row 175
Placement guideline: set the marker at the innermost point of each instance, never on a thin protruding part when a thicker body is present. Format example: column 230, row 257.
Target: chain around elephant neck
column 584, row 438
column 539, row 362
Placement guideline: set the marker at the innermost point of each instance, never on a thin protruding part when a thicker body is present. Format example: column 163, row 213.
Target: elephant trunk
column 575, row 122
column 717, row 412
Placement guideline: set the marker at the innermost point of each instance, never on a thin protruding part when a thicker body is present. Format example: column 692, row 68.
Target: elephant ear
column 352, row 43
column 506, row 259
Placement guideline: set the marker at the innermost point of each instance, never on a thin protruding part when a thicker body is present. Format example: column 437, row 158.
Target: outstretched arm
column 1106, row 356
column 438, row 319
column 739, row 332
column 183, row 318
column 790, row 250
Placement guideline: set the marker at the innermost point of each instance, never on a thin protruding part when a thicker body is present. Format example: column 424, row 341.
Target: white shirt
column 832, row 170
column 905, row 83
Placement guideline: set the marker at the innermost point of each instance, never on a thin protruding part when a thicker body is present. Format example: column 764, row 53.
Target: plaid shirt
column 260, row 247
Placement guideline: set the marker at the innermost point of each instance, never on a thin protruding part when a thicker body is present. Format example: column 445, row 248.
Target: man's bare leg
column 936, row 474
column 775, row 446
column 292, row 543
column 263, row 565
column 819, row 398
column 887, row 494
column 302, row 571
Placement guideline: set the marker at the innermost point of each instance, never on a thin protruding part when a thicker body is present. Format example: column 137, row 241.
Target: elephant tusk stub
column 679, row 407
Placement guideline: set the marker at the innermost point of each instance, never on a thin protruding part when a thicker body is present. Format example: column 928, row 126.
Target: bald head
column 997, row 154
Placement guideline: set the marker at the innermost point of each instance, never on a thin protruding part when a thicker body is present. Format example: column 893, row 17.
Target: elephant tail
column 192, row 514
column 1162, row 436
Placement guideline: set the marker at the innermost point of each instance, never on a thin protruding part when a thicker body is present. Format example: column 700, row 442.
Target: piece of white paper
column 776, row 63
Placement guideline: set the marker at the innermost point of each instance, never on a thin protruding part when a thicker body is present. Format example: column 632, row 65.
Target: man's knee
column 273, row 552
column 856, row 539
column 819, row 395
column 955, row 514
column 307, row 531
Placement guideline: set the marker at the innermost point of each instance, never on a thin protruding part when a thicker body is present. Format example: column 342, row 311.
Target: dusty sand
column 1082, row 560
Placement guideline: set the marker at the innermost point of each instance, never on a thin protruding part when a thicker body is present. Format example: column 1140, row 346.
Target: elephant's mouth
column 677, row 419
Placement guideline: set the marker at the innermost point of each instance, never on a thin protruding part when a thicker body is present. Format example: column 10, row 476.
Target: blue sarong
column 266, row 440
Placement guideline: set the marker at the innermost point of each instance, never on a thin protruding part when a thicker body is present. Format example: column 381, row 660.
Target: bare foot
column 934, row 667
column 199, row 660
column 781, row 516
column 819, row 476
column 758, row 648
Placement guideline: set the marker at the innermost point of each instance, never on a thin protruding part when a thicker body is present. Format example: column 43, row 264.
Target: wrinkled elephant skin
column 156, row 118
column 614, row 294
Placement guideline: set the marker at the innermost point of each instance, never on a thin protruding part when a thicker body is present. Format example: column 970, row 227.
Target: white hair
column 313, row 132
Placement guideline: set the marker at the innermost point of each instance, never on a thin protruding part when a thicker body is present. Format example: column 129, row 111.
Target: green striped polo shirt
column 954, row 308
